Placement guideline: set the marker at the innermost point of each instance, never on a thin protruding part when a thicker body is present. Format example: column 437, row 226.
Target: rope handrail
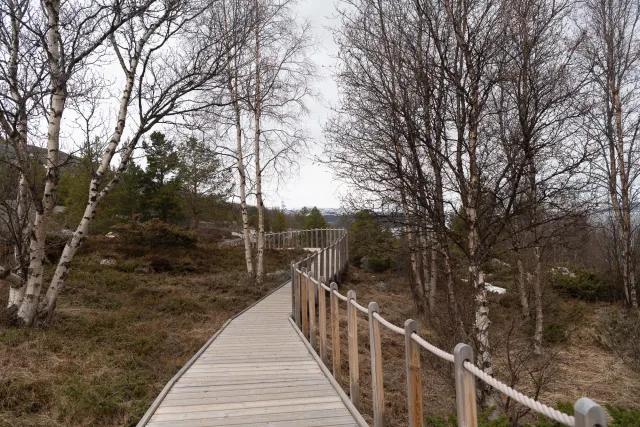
column 340, row 296
column 539, row 407
column 388, row 324
column 432, row 348
column 328, row 265
column 363, row 309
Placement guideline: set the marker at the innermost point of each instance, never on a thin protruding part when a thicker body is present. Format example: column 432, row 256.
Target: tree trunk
column 257, row 117
column 434, row 279
column 453, row 304
column 537, row 286
column 21, row 255
column 48, row 304
column 240, row 159
column 27, row 311
column 196, row 219
column 520, row 281
column 426, row 271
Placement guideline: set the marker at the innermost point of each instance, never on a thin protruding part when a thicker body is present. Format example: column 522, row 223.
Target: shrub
column 622, row 332
column 565, row 407
column 367, row 238
column 154, row 233
column 483, row 420
column 627, row 417
column 376, row 264
column 582, row 284
column 554, row 333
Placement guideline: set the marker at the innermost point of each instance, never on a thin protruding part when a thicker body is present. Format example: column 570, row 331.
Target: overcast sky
column 315, row 186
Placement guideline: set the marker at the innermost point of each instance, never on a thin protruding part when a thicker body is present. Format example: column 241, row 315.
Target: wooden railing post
column 588, row 413
column 333, row 262
column 354, row 369
column 322, row 320
column 338, row 275
column 312, row 311
column 298, row 297
column 414, row 383
column 293, row 290
column 305, row 303
column 335, row 333
column 465, row 387
column 346, row 246
column 377, row 383
column 321, row 272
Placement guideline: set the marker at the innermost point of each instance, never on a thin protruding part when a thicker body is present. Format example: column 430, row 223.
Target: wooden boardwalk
column 256, row 371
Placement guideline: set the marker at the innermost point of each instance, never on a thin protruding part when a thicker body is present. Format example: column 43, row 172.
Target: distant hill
column 39, row 154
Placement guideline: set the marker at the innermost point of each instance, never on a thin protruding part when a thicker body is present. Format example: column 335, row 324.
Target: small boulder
column 494, row 289
column 499, row 263
column 382, row 286
column 111, row 235
column 108, row 261
column 564, row 271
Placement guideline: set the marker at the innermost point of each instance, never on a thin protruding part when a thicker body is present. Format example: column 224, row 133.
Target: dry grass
column 575, row 368
column 118, row 336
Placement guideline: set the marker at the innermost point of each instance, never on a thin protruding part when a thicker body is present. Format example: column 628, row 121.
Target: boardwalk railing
column 319, row 273
column 315, row 238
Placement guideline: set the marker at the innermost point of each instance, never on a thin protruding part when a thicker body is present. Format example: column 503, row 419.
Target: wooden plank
column 258, row 372
column 241, row 412
column 308, row 419
column 244, row 404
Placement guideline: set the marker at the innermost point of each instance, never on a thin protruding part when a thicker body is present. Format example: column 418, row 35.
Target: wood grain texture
column 257, row 372
column 352, row 334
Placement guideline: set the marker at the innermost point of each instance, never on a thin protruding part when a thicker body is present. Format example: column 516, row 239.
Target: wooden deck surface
column 257, row 371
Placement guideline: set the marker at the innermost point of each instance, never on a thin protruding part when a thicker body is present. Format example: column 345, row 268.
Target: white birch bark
column 257, row 117
column 242, row 178
column 48, row 303
column 27, row 311
column 19, row 142
column 18, row 288
column 537, row 287
column 520, row 281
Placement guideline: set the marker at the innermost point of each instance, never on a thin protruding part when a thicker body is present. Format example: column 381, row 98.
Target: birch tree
column 539, row 111
column 65, row 35
column 165, row 84
column 167, row 52
column 235, row 63
column 612, row 60
column 269, row 85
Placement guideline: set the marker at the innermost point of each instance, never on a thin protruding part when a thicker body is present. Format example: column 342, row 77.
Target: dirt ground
column 578, row 366
column 121, row 332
